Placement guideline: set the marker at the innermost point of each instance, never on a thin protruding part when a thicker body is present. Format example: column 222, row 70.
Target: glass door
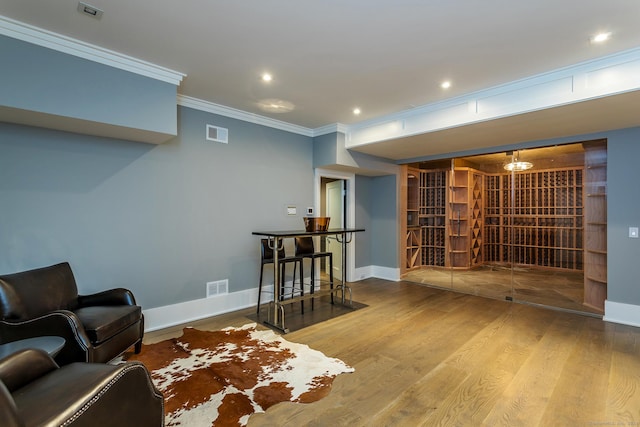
column 547, row 231
column 527, row 225
column 479, row 248
column 426, row 256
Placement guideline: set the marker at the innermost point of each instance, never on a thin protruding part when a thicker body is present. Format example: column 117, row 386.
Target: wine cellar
column 471, row 212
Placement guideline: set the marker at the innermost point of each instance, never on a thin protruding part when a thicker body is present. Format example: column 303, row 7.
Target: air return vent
column 217, row 134
column 217, row 288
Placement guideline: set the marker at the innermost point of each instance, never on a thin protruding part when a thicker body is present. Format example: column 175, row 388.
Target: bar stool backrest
column 304, row 246
column 267, row 253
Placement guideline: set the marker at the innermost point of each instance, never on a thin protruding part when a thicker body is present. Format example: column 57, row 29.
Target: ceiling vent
column 87, row 9
column 217, row 134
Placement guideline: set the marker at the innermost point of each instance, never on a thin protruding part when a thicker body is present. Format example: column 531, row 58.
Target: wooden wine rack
column 544, row 225
column 412, row 228
column 595, row 272
column 477, row 219
column 433, row 209
column 459, row 220
column 463, row 218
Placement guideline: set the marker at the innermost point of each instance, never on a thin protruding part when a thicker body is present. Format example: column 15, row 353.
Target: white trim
column 573, row 84
column 387, row 273
column 28, row 33
column 581, row 68
column 332, row 128
column 362, row 273
column 626, row 314
column 221, row 110
column 319, row 173
column 190, row 311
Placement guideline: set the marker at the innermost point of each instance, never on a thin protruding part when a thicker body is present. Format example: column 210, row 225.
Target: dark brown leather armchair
column 45, row 301
column 34, row 391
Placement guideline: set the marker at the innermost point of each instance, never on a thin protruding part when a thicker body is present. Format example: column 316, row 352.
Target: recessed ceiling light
column 266, row 77
column 445, row 85
column 600, row 37
column 357, row 111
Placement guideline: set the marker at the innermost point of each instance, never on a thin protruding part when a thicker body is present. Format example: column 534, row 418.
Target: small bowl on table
column 317, row 223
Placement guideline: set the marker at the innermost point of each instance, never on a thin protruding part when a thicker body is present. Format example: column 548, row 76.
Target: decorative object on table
column 317, row 223
column 35, row 391
column 222, row 377
column 45, row 301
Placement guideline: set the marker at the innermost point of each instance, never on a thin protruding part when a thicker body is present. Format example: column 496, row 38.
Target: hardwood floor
column 431, row 357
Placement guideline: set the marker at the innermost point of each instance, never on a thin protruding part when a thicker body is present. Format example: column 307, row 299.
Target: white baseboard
column 369, row 271
column 362, row 273
column 189, row 311
column 386, row 273
column 626, row 314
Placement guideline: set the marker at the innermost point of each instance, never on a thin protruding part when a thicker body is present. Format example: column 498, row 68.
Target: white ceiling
column 329, row 56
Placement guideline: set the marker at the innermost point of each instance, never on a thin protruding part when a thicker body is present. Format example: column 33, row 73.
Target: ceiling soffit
column 589, row 97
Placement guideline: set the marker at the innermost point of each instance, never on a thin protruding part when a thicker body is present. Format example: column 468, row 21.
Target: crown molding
column 221, row 110
column 28, row 33
column 210, row 107
column 332, row 128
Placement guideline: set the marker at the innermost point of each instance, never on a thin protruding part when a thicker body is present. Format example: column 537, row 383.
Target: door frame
column 350, row 179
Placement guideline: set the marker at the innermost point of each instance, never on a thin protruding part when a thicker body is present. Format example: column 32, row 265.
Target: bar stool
column 304, row 249
column 266, row 257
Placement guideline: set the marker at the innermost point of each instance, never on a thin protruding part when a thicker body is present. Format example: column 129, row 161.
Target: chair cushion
column 103, row 322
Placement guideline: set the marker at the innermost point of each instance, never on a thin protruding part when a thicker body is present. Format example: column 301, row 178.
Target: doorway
column 346, row 219
column 527, row 226
column 335, row 194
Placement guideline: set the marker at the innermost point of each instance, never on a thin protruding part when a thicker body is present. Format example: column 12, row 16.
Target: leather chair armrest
column 62, row 323
column 8, row 410
column 118, row 296
column 24, row 366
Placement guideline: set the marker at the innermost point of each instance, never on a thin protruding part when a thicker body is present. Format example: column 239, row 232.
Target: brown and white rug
column 222, row 377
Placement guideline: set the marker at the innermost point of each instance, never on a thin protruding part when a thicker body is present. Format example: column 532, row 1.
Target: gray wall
column 363, row 220
column 623, row 211
column 161, row 220
column 324, row 150
column 384, row 221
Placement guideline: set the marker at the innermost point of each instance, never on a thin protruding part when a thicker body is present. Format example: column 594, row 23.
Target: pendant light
column 516, row 165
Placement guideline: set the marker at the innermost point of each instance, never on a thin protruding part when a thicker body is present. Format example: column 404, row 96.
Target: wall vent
column 218, row 287
column 87, row 9
column 217, row 134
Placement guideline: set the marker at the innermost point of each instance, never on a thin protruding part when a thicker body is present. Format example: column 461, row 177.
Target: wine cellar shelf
column 595, row 272
column 544, row 224
column 464, row 218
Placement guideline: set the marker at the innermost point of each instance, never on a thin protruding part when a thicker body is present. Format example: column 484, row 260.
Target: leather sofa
column 45, row 301
column 35, row 391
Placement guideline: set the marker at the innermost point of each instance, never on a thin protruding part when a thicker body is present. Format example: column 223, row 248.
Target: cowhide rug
column 222, row 377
